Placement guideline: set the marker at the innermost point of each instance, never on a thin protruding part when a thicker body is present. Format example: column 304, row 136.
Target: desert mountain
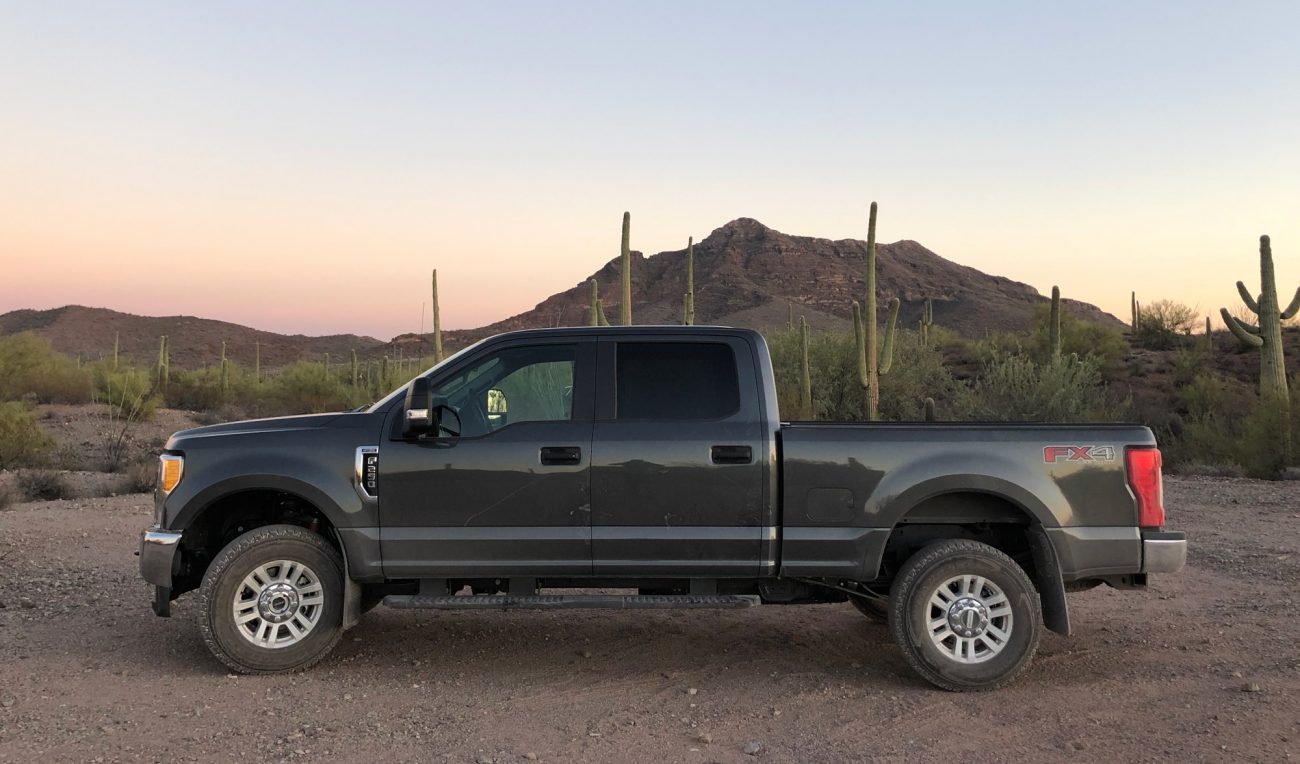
column 88, row 333
column 746, row 274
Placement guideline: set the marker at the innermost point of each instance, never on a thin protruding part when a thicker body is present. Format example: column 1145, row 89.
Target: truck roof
column 576, row 331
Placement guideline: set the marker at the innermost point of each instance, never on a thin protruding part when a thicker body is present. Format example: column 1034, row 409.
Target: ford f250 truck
column 544, row 469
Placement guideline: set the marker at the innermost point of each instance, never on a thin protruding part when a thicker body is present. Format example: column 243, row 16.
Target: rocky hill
column 746, row 274
column 88, row 333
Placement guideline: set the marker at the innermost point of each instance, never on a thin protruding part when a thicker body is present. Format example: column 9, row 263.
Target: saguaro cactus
column 164, row 372
column 117, row 341
column 625, row 260
column 593, row 310
column 871, row 364
column 927, row 321
column 1267, row 336
column 688, row 306
column 928, row 406
column 257, row 363
column 805, row 373
column 225, row 370
column 437, row 322
column 354, row 367
column 1054, row 325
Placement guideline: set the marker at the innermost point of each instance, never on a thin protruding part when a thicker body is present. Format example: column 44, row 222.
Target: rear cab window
column 676, row 381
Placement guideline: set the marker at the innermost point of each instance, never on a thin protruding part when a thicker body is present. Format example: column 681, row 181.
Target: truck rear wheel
column 965, row 615
column 272, row 600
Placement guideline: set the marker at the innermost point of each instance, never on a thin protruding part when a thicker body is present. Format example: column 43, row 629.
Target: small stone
column 484, row 760
column 7, row 703
column 1236, row 675
column 585, row 653
column 692, row 691
column 2, row 605
column 776, row 712
column 26, row 603
column 530, row 756
column 347, row 696
column 705, row 738
column 1251, row 687
column 752, row 748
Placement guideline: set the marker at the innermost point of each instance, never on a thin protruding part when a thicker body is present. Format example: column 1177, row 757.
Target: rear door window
column 676, row 381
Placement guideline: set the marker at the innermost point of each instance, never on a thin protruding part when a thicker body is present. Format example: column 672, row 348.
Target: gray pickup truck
column 647, row 467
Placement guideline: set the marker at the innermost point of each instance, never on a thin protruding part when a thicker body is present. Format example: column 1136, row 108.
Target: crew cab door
column 504, row 487
column 678, row 451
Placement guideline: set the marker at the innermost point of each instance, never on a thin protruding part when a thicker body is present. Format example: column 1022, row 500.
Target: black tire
column 921, row 578
column 872, row 608
column 224, row 579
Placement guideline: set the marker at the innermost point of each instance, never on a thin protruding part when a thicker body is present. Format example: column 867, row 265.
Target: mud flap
column 1051, row 587
column 351, row 598
column 162, row 601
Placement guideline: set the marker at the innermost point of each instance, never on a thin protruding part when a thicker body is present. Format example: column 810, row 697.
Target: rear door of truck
column 677, row 465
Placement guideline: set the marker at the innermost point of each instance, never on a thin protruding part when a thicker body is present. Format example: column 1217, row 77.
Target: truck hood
column 249, row 426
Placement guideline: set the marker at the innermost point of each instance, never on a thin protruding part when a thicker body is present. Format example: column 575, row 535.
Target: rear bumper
column 1163, row 551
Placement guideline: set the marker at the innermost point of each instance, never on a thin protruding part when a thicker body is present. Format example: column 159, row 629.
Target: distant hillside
column 89, row 332
column 746, row 274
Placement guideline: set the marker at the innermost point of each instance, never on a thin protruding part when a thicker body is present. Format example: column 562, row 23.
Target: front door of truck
column 677, row 462
column 504, row 487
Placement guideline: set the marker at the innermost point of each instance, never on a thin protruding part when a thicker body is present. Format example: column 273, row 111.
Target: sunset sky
column 301, row 166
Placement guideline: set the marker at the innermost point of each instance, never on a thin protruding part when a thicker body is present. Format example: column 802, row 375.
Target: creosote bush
column 31, row 370
column 22, row 441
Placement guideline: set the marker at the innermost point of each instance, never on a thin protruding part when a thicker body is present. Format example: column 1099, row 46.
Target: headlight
column 170, row 468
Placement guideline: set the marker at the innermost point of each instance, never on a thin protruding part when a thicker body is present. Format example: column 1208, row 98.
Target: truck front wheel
column 272, row 600
column 965, row 615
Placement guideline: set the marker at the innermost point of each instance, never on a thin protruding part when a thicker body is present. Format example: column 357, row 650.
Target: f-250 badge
column 1054, row 454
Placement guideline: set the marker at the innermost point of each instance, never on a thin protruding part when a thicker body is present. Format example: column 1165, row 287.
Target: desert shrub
column 127, row 390
column 22, row 441
column 1104, row 346
column 140, row 477
column 42, row 485
column 8, row 496
column 1016, row 388
column 1164, row 324
column 29, row 368
column 306, row 387
column 917, row 373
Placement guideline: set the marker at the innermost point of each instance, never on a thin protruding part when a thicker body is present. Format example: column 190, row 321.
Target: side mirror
column 420, row 416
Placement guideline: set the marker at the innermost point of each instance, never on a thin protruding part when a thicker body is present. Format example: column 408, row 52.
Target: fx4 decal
column 1054, row 454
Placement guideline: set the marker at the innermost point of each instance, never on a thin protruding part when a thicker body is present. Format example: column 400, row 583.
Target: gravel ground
column 1201, row 666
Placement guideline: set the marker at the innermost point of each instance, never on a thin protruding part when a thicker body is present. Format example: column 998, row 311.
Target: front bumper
column 157, row 560
column 1163, row 551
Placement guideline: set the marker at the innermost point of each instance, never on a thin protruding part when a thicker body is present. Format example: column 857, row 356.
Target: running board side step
column 571, row 601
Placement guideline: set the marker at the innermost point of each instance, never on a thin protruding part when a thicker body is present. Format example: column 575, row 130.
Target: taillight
column 1144, row 478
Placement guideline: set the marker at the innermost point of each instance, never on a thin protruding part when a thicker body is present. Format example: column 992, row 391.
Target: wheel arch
column 1009, row 520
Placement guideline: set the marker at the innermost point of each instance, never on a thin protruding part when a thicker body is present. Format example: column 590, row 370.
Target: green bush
column 306, row 387
column 1016, row 388
column 128, row 391
column 1104, row 346
column 1165, row 324
column 30, row 369
column 22, row 441
column 917, row 373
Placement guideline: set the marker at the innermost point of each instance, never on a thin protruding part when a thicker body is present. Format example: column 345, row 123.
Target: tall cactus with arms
column 1267, row 336
column 870, row 362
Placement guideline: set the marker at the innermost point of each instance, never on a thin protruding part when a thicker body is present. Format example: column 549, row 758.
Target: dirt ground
column 87, row 673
